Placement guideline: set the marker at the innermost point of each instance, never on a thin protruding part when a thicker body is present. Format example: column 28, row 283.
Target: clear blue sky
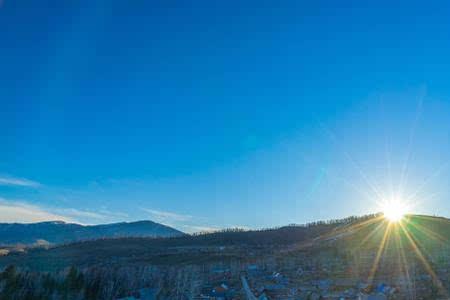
column 221, row 113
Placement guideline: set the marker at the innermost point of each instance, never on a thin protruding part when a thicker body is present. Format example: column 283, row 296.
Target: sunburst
column 394, row 210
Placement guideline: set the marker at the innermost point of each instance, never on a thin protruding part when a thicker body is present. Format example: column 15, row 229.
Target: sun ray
column 428, row 180
column 380, row 251
column 429, row 233
column 424, row 262
column 361, row 191
column 405, row 265
column 372, row 233
column 387, row 151
column 404, row 174
column 353, row 163
column 363, row 224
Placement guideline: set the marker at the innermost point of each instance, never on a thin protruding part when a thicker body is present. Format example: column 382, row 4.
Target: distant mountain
column 357, row 255
column 192, row 249
column 362, row 235
column 58, row 232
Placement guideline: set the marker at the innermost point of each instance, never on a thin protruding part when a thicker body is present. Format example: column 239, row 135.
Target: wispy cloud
column 19, row 212
column 8, row 180
column 196, row 228
column 166, row 216
column 115, row 214
column 84, row 216
column 205, row 228
column 183, row 222
column 80, row 214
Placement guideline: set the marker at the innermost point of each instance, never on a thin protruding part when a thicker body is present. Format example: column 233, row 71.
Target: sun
column 394, row 210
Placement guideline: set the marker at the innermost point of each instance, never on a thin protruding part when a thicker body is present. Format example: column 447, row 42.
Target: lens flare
column 394, row 210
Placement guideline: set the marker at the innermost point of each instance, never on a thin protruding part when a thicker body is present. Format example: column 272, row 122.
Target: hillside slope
column 175, row 250
column 365, row 256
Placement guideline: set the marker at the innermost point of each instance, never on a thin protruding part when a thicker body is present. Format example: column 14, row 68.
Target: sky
column 212, row 114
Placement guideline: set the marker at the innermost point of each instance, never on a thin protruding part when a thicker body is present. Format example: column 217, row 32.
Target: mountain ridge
column 58, row 232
